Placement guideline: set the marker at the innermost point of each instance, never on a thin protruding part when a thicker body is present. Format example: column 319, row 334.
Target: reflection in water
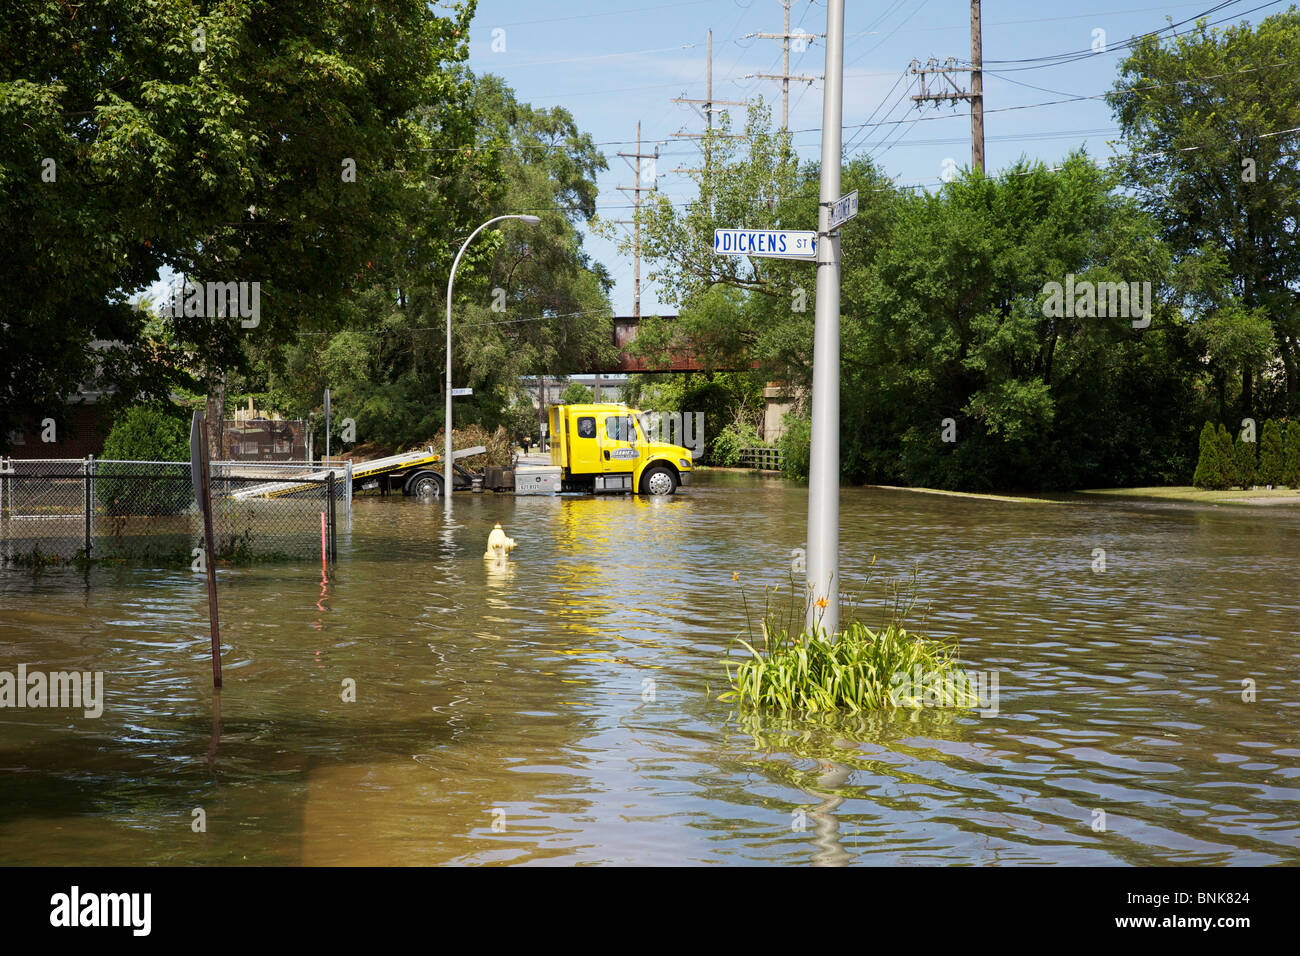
column 216, row 721
column 523, row 689
column 826, row 826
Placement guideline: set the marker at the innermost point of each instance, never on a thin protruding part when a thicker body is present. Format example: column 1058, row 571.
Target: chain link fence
column 68, row 510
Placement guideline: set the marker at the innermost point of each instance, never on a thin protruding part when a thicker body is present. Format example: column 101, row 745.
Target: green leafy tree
column 1272, row 454
column 527, row 299
column 575, row 394
column 1210, row 120
column 954, row 320
column 301, row 145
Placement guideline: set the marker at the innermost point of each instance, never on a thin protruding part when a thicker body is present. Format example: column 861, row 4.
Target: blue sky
column 614, row 63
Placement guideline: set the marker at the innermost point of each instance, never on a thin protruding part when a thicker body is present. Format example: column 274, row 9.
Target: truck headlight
column 683, row 462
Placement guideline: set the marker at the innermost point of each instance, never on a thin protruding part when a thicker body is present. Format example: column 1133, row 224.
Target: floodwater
column 565, row 711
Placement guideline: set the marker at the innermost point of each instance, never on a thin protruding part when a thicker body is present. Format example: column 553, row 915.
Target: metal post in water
column 210, row 561
column 87, row 469
column 824, row 463
column 334, row 538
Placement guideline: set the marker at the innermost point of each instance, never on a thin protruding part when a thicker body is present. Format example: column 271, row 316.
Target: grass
column 1188, row 493
column 856, row 670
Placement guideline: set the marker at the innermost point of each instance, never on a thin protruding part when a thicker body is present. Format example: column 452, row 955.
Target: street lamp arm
column 451, row 280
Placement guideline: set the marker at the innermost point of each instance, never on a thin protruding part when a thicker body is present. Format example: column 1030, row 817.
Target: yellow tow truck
column 603, row 448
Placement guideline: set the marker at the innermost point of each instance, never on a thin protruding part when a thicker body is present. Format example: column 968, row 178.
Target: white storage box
column 538, row 480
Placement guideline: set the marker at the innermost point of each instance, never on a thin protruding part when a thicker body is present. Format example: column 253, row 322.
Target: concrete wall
column 777, row 400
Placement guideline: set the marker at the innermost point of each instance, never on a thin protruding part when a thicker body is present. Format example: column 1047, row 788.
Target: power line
column 1060, row 59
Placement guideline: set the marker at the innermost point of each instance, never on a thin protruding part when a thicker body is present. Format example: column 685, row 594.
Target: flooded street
column 565, row 711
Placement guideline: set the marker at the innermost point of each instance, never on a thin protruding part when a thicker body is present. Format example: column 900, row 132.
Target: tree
column 527, row 299
column 1211, row 118
column 1291, row 467
column 1272, row 455
column 245, row 141
column 961, row 371
column 1246, row 463
column 1209, row 466
column 575, row 393
column 1228, row 459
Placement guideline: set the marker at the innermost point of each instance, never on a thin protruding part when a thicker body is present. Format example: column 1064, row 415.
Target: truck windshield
column 621, row 428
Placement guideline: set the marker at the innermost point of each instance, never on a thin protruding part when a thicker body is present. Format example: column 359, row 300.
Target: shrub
column 734, row 438
column 795, row 444
column 859, row 670
column 1291, row 456
column 145, row 433
column 1272, row 462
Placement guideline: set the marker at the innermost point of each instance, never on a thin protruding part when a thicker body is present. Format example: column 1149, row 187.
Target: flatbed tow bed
column 415, row 472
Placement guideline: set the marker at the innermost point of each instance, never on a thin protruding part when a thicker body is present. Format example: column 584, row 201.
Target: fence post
column 334, row 552
column 87, row 469
column 348, row 509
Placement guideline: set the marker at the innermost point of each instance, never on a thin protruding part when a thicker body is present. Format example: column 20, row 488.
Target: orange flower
column 821, row 602
column 735, row 575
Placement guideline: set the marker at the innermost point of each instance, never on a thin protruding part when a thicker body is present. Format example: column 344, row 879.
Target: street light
column 532, row 221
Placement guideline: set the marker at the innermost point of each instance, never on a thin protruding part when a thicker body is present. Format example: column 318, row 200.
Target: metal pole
column 210, row 560
column 451, row 280
column 334, row 541
column 87, row 469
column 824, row 468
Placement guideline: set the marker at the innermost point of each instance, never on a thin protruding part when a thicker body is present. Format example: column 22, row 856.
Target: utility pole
column 636, row 191
column 785, row 76
column 953, row 92
column 711, row 106
column 976, row 88
column 823, row 556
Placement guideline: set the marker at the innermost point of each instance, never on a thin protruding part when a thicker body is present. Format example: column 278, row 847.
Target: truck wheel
column 424, row 484
column 659, row 480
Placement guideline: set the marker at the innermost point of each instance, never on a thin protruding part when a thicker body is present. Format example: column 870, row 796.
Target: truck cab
column 603, row 448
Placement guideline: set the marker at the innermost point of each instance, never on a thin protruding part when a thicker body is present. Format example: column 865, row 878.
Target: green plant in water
column 857, row 670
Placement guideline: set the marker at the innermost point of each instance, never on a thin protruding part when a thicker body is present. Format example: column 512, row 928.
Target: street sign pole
column 824, row 467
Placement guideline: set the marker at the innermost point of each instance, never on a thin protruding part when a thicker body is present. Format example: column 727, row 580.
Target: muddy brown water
column 564, row 710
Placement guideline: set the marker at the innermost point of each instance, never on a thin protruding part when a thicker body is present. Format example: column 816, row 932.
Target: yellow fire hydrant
column 498, row 545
